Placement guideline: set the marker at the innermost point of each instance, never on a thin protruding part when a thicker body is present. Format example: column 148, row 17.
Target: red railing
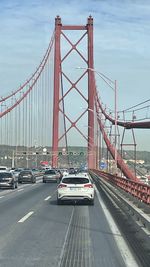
column 136, row 189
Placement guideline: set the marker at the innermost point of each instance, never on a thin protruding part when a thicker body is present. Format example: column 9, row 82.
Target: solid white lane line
column 26, row 217
column 120, row 241
column 19, row 190
column 47, row 198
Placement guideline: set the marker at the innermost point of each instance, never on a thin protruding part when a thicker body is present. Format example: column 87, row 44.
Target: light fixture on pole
column 113, row 85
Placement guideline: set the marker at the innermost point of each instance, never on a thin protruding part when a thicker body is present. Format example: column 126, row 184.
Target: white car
column 4, row 169
column 77, row 187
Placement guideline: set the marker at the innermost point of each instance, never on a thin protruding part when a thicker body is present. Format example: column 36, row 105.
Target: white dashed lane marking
column 23, row 219
column 47, row 198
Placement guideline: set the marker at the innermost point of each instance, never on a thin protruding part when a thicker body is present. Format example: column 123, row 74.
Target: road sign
column 71, row 153
column 103, row 165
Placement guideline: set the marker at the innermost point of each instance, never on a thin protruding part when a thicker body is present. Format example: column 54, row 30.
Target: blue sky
column 121, row 42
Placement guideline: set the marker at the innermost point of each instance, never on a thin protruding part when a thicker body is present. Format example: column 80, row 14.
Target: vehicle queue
column 73, row 184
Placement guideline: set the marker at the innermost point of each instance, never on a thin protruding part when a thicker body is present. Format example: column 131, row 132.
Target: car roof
column 26, row 170
column 4, row 167
column 53, row 170
column 83, row 173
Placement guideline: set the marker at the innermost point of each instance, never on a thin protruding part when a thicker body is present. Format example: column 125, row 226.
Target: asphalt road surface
column 35, row 231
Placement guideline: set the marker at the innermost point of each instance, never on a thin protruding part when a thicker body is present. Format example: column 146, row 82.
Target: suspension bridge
column 45, row 112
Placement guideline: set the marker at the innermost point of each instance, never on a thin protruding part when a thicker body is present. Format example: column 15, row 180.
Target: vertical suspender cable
column 29, row 122
column 65, row 128
column 23, row 122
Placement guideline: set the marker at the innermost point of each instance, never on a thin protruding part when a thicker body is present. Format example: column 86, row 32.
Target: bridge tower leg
column 91, row 95
column 57, row 65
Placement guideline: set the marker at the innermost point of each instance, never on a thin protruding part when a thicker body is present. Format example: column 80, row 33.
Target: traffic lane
column 90, row 242
column 6, row 191
column 95, row 240
column 105, row 228
column 62, row 236
column 104, row 248
column 14, row 206
column 38, row 241
column 28, row 194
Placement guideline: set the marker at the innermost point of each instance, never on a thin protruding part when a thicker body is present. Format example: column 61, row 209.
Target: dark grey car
column 26, row 176
column 8, row 180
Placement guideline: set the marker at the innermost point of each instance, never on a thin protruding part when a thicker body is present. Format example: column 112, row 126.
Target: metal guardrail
column 140, row 215
column 138, row 190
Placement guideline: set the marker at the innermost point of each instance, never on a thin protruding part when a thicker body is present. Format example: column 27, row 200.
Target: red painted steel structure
column 91, row 96
column 119, row 160
column 57, row 66
column 136, row 189
column 59, row 30
column 126, row 124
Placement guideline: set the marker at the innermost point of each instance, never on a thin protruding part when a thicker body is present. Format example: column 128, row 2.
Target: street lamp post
column 113, row 85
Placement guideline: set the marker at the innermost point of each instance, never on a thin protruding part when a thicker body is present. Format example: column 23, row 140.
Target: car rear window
column 5, row 175
column 50, row 172
column 25, row 172
column 74, row 180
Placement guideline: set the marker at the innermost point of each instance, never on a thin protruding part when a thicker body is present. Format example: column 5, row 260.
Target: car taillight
column 88, row 185
column 62, row 185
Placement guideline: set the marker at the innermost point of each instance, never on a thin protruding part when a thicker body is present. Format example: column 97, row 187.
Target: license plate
column 75, row 188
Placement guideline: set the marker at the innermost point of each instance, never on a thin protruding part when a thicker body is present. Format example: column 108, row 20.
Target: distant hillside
column 6, row 154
